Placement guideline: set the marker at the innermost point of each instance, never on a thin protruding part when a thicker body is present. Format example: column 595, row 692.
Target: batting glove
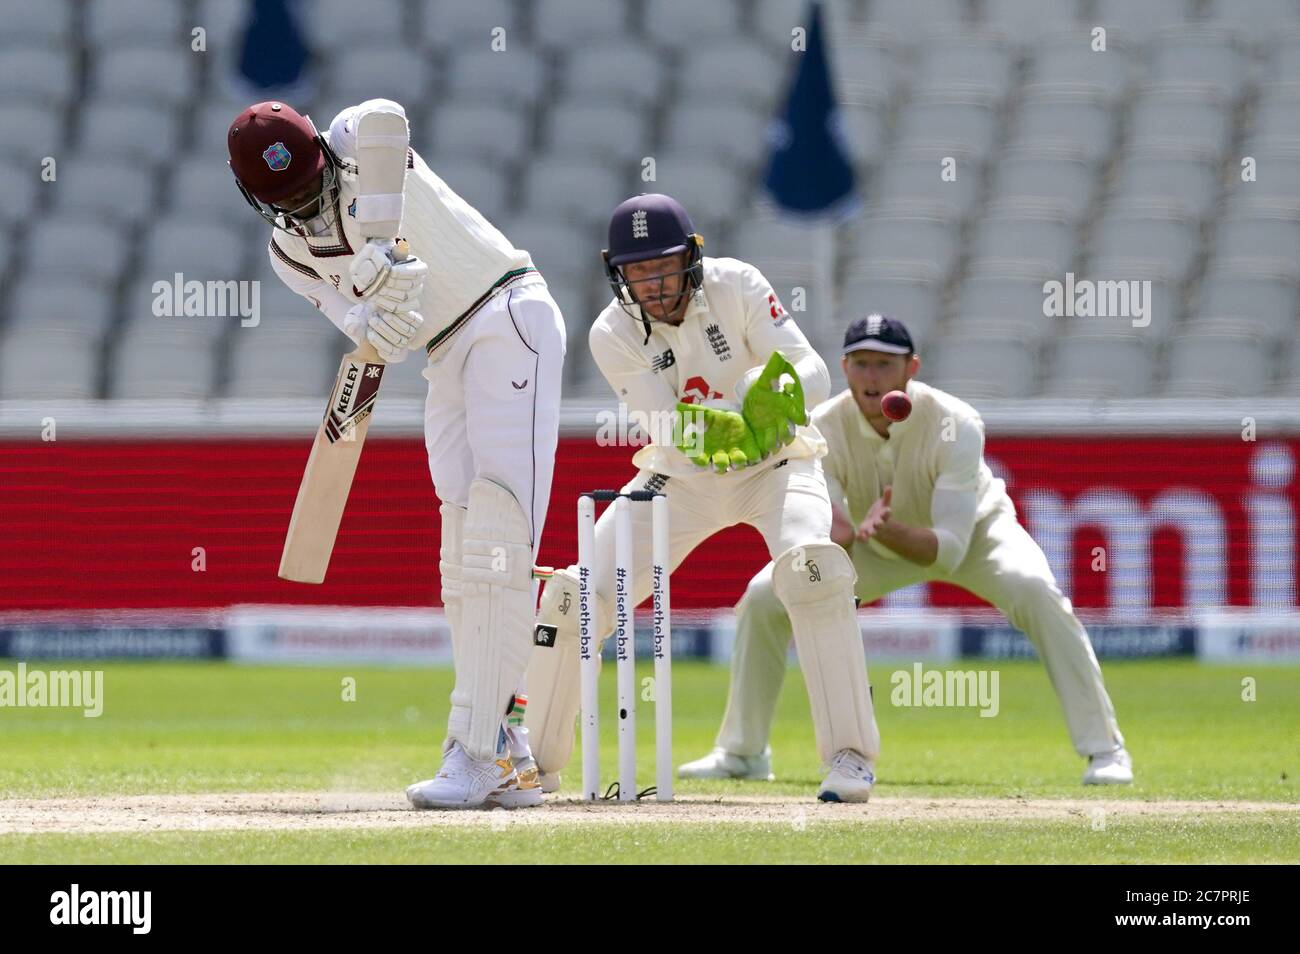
column 394, row 286
column 391, row 334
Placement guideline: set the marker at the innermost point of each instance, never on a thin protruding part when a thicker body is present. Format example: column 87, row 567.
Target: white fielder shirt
column 469, row 260
column 934, row 461
column 733, row 323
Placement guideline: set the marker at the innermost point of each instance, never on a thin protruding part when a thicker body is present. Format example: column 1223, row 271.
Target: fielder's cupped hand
column 876, row 517
column 392, row 286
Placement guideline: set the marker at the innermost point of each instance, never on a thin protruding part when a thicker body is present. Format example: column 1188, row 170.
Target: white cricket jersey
column 733, row 323
column 469, row 260
column 934, row 461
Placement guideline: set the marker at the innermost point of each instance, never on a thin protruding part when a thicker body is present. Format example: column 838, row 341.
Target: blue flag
column 809, row 172
column 273, row 54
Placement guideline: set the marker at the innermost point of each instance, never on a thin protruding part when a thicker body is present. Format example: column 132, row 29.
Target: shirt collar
column 896, row 429
column 697, row 306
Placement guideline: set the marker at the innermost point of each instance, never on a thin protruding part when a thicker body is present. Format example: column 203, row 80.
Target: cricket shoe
column 1110, row 768
column 849, row 780
column 723, row 764
column 550, row 781
column 463, row 782
column 525, row 790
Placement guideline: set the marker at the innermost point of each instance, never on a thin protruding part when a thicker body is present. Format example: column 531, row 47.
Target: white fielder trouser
column 1003, row 566
column 493, row 414
column 789, row 506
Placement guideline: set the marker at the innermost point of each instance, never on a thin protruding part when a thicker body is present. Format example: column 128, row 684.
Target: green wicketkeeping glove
column 726, row 441
column 773, row 409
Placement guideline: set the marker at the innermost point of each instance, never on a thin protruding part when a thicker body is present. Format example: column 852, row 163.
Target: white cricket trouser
column 786, row 503
column 493, row 412
column 493, row 408
column 1003, row 566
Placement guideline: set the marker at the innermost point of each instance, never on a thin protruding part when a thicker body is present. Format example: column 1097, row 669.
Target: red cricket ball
column 896, row 405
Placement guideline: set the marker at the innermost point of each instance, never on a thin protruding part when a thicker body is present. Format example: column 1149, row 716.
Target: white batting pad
column 553, row 678
column 449, row 559
column 496, row 616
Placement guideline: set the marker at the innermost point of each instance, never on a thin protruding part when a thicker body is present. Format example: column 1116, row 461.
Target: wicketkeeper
column 706, row 339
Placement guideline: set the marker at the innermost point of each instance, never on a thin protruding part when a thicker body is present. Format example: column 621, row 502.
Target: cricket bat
column 327, row 481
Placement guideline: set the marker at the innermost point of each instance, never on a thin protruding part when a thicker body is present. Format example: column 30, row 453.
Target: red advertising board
column 199, row 523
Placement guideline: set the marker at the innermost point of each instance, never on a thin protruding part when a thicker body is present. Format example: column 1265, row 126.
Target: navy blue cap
column 648, row 226
column 877, row 332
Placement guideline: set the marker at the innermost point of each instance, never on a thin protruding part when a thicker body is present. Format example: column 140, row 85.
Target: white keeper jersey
column 733, row 323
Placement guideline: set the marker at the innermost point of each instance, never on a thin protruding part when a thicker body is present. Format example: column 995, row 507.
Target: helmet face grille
column 317, row 216
column 692, row 278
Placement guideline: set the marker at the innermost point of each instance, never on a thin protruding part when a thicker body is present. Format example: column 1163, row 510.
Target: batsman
column 706, row 344
column 492, row 338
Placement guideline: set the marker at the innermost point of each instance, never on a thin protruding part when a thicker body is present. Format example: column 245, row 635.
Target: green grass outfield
column 221, row 728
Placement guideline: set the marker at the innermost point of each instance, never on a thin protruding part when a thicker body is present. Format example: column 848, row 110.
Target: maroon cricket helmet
column 275, row 151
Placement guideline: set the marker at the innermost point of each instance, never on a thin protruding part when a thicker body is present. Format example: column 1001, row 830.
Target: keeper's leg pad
column 496, row 616
column 554, row 675
column 815, row 583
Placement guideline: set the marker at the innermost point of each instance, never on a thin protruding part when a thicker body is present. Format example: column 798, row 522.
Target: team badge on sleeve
column 277, row 156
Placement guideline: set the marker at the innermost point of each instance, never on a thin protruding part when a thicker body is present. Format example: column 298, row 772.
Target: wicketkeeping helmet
column 652, row 226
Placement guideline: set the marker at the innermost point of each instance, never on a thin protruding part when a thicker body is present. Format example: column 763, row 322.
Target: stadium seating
column 1100, row 366
column 1119, row 165
column 450, row 24
column 980, row 367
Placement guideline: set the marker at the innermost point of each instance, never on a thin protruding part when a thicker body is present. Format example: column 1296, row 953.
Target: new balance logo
column 640, row 229
column 665, row 360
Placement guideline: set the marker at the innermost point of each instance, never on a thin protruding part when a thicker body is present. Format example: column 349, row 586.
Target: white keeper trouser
column 786, row 503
